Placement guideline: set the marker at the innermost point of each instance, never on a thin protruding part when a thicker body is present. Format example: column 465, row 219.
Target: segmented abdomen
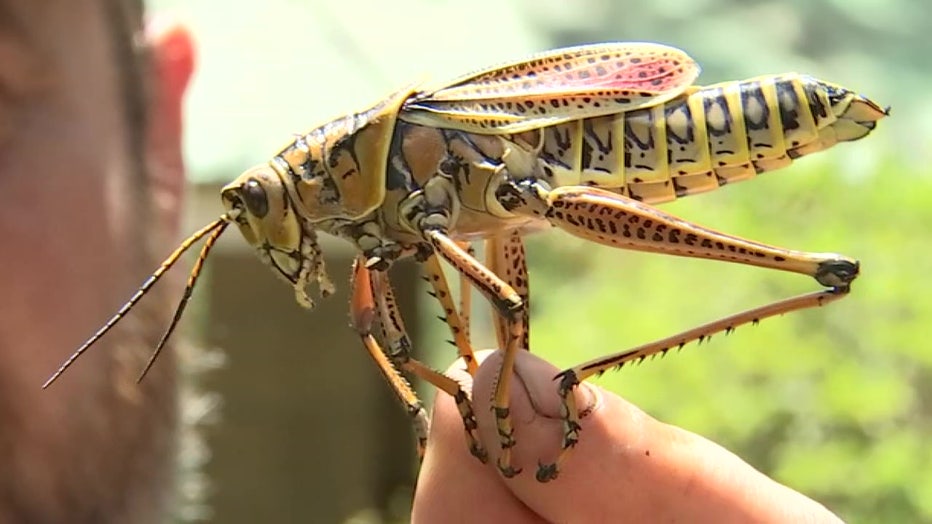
column 707, row 137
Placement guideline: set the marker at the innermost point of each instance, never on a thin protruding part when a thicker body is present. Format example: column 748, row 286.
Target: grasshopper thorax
column 337, row 170
column 259, row 204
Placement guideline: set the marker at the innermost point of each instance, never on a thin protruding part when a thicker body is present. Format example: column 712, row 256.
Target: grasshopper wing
column 554, row 87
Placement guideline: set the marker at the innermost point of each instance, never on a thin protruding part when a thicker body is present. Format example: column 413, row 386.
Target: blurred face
column 96, row 447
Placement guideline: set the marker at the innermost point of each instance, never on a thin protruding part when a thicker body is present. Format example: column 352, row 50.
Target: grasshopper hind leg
column 618, row 221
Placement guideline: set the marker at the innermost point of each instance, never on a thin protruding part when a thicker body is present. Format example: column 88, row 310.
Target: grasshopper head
column 259, row 203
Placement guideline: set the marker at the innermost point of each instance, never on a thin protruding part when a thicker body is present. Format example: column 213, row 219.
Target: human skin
column 628, row 467
column 91, row 173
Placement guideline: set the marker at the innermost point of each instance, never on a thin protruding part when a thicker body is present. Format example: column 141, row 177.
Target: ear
column 171, row 51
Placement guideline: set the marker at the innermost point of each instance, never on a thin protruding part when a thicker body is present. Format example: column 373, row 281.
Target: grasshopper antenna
column 216, row 227
column 188, row 289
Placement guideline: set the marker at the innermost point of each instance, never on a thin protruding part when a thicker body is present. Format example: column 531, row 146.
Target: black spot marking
column 788, row 102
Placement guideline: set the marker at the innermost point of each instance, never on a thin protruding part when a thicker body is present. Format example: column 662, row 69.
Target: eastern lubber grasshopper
column 586, row 139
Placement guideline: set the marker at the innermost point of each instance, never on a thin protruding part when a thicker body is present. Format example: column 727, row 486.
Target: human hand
column 627, row 467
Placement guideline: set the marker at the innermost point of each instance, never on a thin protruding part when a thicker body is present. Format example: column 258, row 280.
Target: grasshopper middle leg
column 504, row 255
column 511, row 307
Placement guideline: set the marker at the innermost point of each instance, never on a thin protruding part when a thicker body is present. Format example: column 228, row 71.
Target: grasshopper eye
column 257, row 202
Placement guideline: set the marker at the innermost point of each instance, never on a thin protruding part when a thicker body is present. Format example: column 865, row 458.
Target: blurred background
column 836, row 403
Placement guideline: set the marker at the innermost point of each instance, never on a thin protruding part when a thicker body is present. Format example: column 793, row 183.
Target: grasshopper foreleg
column 367, row 285
column 363, row 315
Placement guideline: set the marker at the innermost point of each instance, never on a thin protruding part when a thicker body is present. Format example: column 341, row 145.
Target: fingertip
column 535, row 407
column 451, row 481
column 590, row 471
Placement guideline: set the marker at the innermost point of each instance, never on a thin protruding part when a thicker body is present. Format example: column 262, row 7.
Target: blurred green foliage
column 835, row 402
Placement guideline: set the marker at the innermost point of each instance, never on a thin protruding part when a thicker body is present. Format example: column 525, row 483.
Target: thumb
column 627, row 466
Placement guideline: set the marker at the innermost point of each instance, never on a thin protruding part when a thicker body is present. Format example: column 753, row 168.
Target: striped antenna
column 216, row 227
column 188, row 289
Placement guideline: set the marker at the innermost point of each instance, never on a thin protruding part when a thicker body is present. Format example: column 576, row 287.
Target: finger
column 627, row 466
column 453, row 485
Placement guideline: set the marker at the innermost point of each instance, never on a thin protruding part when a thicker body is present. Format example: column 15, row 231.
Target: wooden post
column 309, row 431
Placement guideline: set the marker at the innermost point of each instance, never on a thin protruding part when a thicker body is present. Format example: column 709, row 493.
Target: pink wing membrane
column 557, row 86
column 624, row 66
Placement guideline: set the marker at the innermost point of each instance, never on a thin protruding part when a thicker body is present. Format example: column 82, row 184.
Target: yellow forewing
column 556, row 86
